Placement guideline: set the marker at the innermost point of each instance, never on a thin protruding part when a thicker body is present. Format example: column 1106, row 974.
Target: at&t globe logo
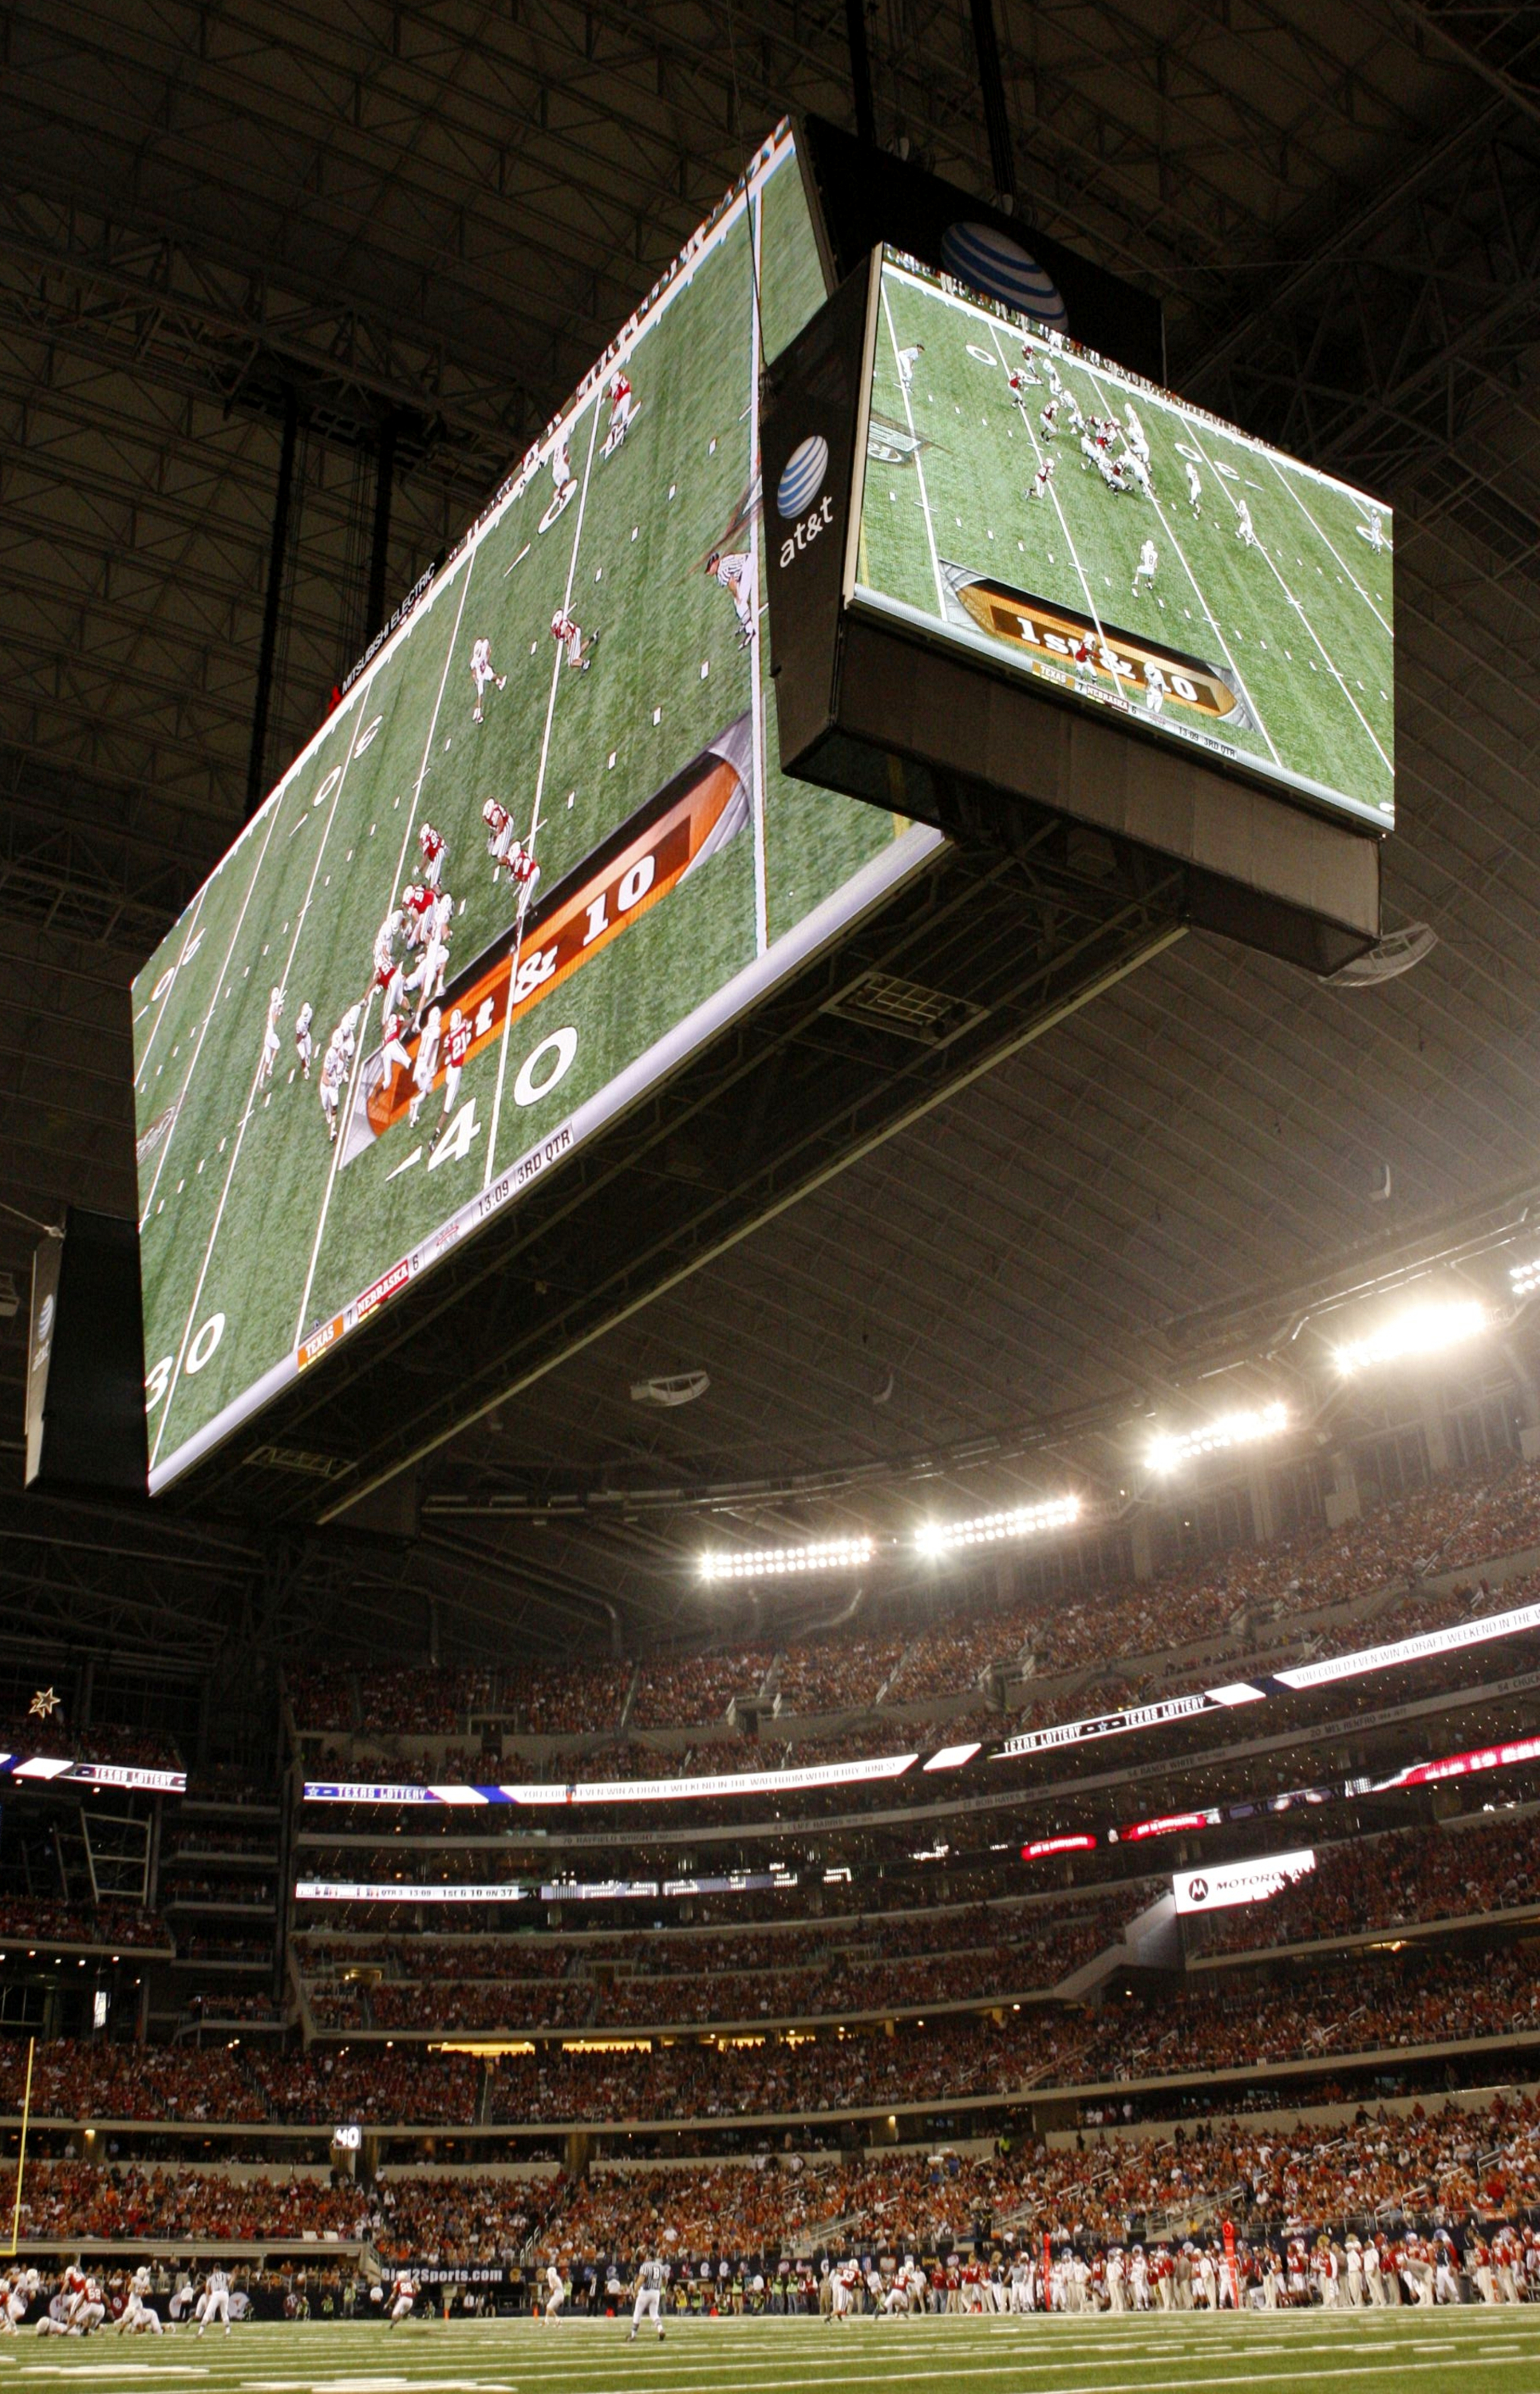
column 802, row 476
column 801, row 480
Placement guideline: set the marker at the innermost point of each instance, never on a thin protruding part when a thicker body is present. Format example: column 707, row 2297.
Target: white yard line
column 1298, row 606
column 203, row 1030
column 250, row 1106
column 557, row 669
column 757, row 699
column 1322, row 536
column 1209, row 616
column 346, row 1100
column 1091, row 606
column 170, row 990
column 919, row 463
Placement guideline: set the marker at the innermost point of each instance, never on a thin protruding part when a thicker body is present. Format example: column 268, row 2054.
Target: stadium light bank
column 990, row 1529
column 1243, row 1429
column 1422, row 1330
column 932, row 1539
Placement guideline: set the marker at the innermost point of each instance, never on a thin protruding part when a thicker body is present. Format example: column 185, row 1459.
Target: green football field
column 1297, row 623
column 255, row 1229
column 1475, row 2350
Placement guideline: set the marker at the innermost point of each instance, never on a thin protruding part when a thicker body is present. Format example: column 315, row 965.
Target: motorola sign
column 1234, row 1883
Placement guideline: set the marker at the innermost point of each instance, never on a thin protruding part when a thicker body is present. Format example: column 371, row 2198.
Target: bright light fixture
column 988, row 1529
column 1243, row 1429
column 768, row 1562
column 1524, row 1279
column 1422, row 1330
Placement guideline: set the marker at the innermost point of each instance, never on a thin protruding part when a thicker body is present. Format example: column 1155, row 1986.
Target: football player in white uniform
column 1243, row 532
column 561, row 467
column 906, row 363
column 1373, row 532
column 1156, row 687
column 735, row 573
column 269, row 1038
column 484, row 673
column 216, row 2301
column 333, row 1073
column 1043, row 476
column 1148, row 558
column 393, row 1052
column 304, row 1044
column 499, row 824
column 428, row 978
column 651, row 2280
column 556, row 2291
column 136, row 2317
column 568, row 637
column 1135, row 435
column 1195, row 490
column 426, row 1065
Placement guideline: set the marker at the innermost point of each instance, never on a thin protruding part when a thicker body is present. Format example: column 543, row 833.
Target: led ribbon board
column 1401, row 1651
column 620, row 1791
column 56, row 1769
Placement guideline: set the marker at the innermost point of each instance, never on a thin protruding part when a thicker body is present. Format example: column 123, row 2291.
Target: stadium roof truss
column 408, row 227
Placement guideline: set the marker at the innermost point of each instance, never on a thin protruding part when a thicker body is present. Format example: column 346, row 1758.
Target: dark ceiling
column 434, row 215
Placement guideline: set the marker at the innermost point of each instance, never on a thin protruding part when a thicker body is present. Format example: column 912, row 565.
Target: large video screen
column 541, row 851
column 1031, row 502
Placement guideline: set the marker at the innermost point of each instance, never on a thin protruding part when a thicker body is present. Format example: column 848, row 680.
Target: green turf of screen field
column 1301, row 621
column 251, row 1231
column 1475, row 2351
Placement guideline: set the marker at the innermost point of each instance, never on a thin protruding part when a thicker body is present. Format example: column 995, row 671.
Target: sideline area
column 1476, row 2348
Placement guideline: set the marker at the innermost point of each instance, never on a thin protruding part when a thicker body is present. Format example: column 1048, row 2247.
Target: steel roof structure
column 404, row 228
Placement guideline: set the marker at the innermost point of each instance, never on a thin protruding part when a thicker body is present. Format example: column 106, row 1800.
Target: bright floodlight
column 767, row 1562
column 1242, row 1428
column 1525, row 1277
column 1422, row 1330
column 988, row 1529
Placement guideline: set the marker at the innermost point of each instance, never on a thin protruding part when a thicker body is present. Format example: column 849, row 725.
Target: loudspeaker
column 86, row 1422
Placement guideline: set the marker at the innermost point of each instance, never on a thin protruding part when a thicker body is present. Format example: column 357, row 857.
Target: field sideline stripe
column 250, row 1107
column 169, row 993
column 919, row 458
column 203, row 1030
column 559, row 665
column 346, row 1102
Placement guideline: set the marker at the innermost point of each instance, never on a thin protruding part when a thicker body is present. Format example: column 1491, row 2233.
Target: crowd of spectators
column 1388, row 1881
column 45, row 1920
column 368, row 2084
column 57, row 1733
column 1368, row 2004
column 104, row 2081
column 1450, row 2168
column 1251, row 1596
column 846, row 1965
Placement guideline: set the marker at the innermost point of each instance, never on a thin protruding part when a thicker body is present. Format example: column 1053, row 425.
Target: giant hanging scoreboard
column 541, row 850
column 1011, row 567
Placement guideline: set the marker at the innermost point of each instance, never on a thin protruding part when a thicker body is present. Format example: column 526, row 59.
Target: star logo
column 45, row 1703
